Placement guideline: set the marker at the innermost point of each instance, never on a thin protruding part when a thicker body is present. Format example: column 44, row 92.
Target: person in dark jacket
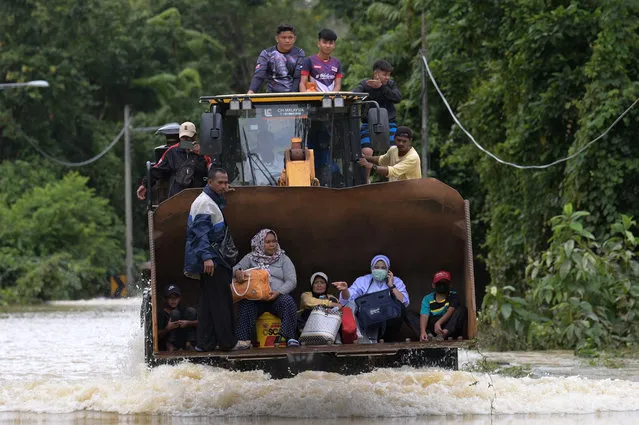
column 206, row 226
column 281, row 65
column 384, row 91
column 182, row 165
column 176, row 323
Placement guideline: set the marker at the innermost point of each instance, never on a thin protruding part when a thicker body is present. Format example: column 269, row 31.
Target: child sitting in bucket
column 441, row 314
column 176, row 323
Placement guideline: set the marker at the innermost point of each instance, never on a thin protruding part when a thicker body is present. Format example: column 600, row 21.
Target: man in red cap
column 441, row 315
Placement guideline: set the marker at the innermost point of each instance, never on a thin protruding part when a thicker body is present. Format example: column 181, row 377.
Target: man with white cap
column 182, row 165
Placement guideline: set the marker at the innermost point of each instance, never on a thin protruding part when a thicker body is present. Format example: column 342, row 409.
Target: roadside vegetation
column 582, row 292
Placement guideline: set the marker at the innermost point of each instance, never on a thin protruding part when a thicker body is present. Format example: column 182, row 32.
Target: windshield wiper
column 263, row 168
column 255, row 159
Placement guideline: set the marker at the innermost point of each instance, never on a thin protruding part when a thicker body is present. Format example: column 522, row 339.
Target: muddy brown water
column 81, row 362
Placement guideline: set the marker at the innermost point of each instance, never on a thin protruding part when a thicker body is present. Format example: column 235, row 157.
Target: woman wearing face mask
column 441, row 315
column 380, row 278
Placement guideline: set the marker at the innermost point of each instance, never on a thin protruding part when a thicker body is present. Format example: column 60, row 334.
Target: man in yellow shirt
column 401, row 162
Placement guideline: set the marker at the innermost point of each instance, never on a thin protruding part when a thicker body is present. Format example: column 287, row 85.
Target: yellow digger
column 292, row 159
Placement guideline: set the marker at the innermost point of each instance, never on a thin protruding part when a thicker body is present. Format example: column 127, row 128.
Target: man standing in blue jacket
column 206, row 226
column 280, row 65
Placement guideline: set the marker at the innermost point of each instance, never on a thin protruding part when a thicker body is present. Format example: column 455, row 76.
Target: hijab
column 322, row 275
column 257, row 244
column 384, row 258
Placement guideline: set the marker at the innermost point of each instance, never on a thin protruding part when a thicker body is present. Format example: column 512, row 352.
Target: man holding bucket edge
column 401, row 162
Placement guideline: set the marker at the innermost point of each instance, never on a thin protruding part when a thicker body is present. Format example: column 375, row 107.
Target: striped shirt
column 432, row 307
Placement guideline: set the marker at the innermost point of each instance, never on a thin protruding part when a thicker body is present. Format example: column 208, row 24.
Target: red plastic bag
column 349, row 326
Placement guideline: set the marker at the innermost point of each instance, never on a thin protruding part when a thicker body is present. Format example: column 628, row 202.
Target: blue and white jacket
column 205, row 226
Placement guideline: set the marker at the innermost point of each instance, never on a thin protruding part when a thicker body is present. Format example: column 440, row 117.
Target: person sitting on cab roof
column 401, row 162
column 176, row 323
column 441, row 315
column 318, row 295
column 266, row 252
column 385, row 92
column 280, row 65
column 182, row 165
column 379, row 279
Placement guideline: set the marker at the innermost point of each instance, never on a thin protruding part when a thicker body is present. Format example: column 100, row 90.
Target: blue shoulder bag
column 377, row 307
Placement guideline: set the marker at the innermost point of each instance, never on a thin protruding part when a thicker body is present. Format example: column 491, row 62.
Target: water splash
column 197, row 390
column 91, row 360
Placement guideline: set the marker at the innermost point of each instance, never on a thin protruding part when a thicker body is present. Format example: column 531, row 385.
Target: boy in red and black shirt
column 322, row 70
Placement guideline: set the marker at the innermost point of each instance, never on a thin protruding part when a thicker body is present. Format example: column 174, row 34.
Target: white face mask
column 380, row 274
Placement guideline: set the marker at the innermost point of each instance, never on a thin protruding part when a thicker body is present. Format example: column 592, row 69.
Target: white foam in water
column 112, row 378
column 99, row 302
column 189, row 389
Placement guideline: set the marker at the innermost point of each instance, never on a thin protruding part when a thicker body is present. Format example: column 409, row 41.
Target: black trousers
column 215, row 325
column 180, row 336
column 456, row 324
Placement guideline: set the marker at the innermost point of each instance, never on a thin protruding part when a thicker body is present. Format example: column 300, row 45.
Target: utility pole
column 128, row 202
column 425, row 154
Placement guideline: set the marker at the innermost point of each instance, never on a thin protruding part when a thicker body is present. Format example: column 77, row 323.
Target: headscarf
column 323, row 275
column 257, row 244
column 320, row 274
column 380, row 257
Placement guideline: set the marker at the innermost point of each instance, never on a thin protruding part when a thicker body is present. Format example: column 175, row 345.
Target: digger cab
column 249, row 135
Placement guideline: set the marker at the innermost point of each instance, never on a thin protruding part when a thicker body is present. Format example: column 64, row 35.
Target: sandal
column 242, row 345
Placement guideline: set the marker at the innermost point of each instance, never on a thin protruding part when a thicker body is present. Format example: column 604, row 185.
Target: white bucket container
column 321, row 327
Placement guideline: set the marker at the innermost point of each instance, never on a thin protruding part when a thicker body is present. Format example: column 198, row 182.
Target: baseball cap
column 403, row 131
column 441, row 275
column 172, row 289
column 187, row 128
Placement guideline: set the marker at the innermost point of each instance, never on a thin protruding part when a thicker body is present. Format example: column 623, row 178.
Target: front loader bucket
column 422, row 225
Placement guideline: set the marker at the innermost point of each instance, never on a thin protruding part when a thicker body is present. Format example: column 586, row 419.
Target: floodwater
column 82, row 363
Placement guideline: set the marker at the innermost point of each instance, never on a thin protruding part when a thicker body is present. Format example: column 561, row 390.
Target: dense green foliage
column 58, row 240
column 581, row 291
column 532, row 80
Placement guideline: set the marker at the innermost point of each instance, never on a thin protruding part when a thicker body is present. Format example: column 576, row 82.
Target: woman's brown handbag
column 256, row 286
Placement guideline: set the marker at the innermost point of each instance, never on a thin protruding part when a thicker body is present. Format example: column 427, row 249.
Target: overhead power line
column 91, row 160
column 76, row 164
column 512, row 164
